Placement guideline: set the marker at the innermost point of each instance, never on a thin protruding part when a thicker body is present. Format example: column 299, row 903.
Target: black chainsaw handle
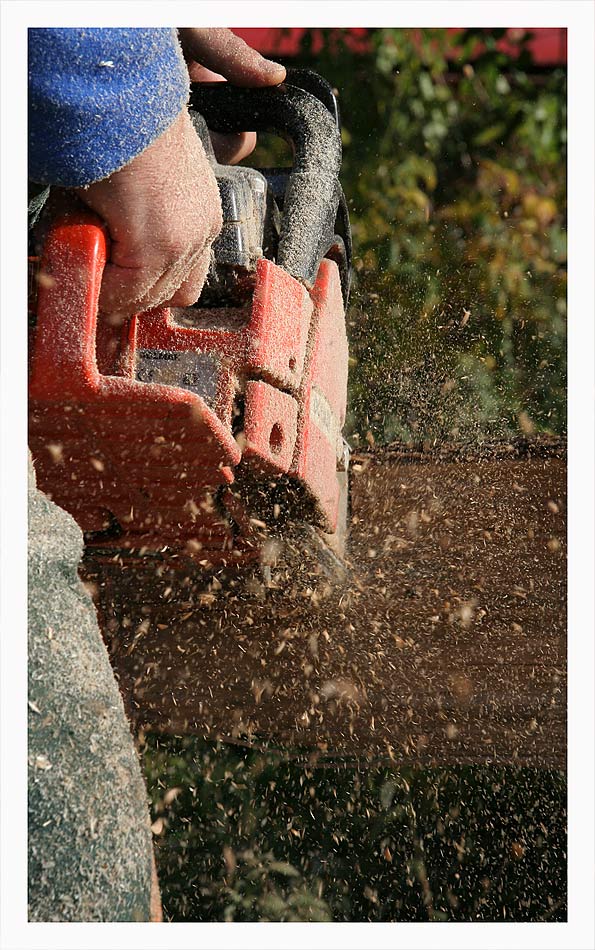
column 312, row 194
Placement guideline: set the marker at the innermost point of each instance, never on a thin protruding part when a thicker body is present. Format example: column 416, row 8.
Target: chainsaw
column 200, row 433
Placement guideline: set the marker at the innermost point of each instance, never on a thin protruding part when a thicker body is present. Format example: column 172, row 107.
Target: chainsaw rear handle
column 313, row 191
column 74, row 256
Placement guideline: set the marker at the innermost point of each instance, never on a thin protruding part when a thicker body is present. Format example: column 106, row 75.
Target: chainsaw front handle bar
column 313, row 191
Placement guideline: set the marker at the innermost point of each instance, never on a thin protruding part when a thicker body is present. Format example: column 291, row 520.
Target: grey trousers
column 90, row 849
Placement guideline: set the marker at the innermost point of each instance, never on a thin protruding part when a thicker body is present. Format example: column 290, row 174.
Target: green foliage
column 455, row 175
column 249, row 836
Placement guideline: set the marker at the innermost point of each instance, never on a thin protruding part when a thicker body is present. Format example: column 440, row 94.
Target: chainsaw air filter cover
column 199, row 432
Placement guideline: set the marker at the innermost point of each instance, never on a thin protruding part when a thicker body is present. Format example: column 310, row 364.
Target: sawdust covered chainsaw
column 197, row 435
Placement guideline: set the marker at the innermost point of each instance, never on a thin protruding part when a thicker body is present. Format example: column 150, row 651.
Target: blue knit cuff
column 98, row 98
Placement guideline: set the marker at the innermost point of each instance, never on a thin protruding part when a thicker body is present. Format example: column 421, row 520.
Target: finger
column 123, row 289
column 133, row 289
column 229, row 148
column 191, row 289
column 200, row 73
column 127, row 290
column 233, row 147
column 225, row 53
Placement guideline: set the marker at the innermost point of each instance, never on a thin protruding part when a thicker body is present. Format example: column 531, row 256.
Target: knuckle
column 184, row 298
column 177, row 246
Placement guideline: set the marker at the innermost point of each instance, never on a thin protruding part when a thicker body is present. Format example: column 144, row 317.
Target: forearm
column 98, row 98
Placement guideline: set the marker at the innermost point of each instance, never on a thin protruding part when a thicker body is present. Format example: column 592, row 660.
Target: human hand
column 163, row 213
column 215, row 55
column 162, row 210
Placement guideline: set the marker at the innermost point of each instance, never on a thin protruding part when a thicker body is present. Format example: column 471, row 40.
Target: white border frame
column 577, row 16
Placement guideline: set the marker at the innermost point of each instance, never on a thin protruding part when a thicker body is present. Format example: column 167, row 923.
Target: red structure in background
column 547, row 45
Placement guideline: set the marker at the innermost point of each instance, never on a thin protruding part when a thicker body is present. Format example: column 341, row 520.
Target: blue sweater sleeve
column 99, row 97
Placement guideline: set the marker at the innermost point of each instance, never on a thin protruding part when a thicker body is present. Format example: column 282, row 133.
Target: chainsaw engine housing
column 201, row 432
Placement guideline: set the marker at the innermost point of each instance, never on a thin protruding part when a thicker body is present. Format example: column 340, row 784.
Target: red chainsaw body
column 144, row 431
